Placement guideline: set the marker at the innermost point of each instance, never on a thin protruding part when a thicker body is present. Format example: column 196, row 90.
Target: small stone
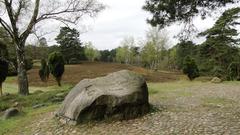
column 216, row 80
column 38, row 106
column 16, row 104
column 11, row 112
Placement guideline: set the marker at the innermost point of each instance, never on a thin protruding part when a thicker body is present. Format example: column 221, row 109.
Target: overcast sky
column 124, row 18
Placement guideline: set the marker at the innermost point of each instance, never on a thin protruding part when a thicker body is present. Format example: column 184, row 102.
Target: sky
column 124, row 18
column 120, row 19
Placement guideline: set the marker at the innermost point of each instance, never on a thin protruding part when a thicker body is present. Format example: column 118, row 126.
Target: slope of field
column 75, row 73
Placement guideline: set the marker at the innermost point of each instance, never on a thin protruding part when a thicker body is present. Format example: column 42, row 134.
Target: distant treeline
column 218, row 56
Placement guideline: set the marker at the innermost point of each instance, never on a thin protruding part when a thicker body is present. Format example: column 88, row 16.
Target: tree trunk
column 1, row 93
column 22, row 72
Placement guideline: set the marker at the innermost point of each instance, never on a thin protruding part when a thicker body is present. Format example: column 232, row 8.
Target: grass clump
column 50, row 96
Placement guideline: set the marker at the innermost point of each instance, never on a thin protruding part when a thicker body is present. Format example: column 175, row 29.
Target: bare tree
column 20, row 17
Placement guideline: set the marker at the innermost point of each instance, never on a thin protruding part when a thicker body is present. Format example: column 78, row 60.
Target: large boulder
column 120, row 95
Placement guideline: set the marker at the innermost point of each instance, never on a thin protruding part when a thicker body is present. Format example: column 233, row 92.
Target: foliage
column 234, row 71
column 149, row 55
column 70, row 44
column 3, row 72
column 183, row 49
column 90, row 52
column 105, row 56
column 3, row 50
column 108, row 55
column 219, row 50
column 190, row 68
column 36, row 52
column 154, row 51
column 127, row 51
column 172, row 58
column 166, row 12
column 44, row 71
column 56, row 66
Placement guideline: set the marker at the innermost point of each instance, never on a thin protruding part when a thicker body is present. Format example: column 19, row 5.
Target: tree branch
column 11, row 17
column 73, row 7
column 32, row 22
column 6, row 27
column 21, row 5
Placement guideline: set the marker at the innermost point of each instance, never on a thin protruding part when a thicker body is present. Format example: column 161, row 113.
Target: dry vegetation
column 75, row 73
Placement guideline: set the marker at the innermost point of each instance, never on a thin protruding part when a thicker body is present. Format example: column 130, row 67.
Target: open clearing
column 179, row 107
column 74, row 73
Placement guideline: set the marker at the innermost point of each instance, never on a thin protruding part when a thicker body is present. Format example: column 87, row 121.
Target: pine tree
column 56, row 66
column 44, row 71
column 219, row 50
column 190, row 68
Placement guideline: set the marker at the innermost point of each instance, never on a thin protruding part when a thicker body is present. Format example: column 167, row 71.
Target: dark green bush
column 56, row 66
column 190, row 68
column 3, row 72
column 233, row 71
column 219, row 72
column 12, row 69
column 28, row 63
column 44, row 71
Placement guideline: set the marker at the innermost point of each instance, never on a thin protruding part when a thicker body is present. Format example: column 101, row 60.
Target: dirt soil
column 75, row 73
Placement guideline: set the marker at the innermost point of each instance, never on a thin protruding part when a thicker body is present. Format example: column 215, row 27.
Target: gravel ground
column 210, row 109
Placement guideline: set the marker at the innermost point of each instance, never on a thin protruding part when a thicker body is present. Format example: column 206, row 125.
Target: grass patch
column 48, row 96
column 169, row 87
column 12, row 125
column 217, row 101
column 232, row 82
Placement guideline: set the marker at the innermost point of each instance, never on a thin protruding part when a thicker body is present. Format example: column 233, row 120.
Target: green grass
column 17, row 123
column 232, row 82
column 46, row 95
column 12, row 88
column 217, row 101
column 172, row 87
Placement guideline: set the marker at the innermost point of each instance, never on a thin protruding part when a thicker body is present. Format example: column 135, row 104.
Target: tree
column 149, row 55
column 20, row 18
column 3, row 72
column 44, row 71
column 183, row 49
column 56, row 66
column 172, row 58
column 91, row 52
column 126, row 52
column 220, row 48
column 190, row 68
column 70, row 44
column 105, row 56
column 234, row 71
column 155, row 48
column 166, row 12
